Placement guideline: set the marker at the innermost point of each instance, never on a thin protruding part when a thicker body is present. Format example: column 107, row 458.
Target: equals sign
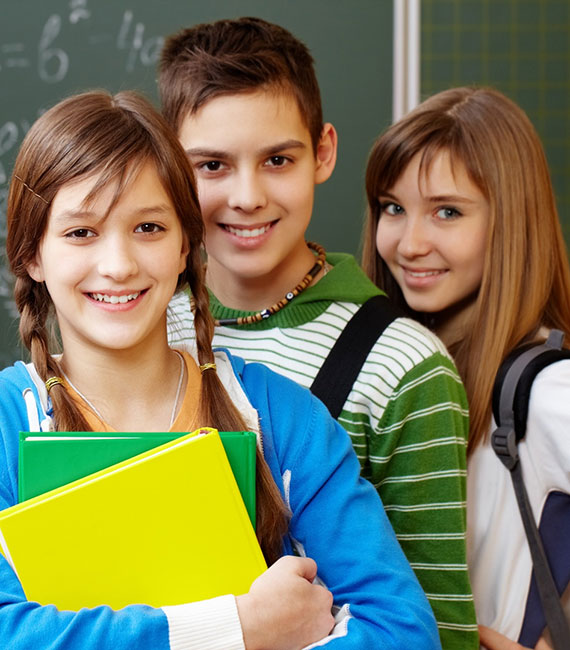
column 13, row 59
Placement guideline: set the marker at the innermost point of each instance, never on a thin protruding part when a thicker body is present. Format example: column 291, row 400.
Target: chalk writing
column 12, row 57
column 8, row 138
column 79, row 11
column 147, row 52
column 53, row 62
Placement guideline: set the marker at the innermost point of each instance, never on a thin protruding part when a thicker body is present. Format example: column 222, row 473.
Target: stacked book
column 125, row 518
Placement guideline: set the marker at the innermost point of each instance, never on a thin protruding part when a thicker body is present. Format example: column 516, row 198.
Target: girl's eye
column 149, row 228
column 448, row 213
column 392, row 208
column 80, row 233
column 276, row 161
column 211, row 166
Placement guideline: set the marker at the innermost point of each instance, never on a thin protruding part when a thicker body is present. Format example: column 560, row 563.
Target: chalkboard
column 52, row 48
column 520, row 48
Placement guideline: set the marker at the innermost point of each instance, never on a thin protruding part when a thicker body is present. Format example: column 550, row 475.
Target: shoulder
column 403, row 338
column 285, row 409
column 409, row 373
column 406, row 348
column 414, row 336
column 549, row 408
column 555, row 377
column 15, row 379
column 261, row 383
column 20, row 396
column 18, row 403
column 262, row 395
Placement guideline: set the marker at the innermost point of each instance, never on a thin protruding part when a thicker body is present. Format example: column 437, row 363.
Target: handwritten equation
column 52, row 61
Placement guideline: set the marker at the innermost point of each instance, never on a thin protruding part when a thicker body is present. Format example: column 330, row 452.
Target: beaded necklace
column 305, row 282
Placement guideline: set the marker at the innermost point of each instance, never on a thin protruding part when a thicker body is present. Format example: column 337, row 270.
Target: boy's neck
column 244, row 293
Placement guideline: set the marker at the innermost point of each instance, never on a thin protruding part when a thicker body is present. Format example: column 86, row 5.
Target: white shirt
column 497, row 551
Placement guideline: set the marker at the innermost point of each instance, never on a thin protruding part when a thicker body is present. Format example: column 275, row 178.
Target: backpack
column 550, row 548
column 340, row 369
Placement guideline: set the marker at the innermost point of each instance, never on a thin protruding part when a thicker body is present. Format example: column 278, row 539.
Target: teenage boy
column 244, row 100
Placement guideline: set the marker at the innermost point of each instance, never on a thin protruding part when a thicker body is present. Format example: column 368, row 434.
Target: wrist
column 250, row 627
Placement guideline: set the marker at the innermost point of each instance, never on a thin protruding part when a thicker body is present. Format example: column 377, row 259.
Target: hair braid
column 219, row 411
column 34, row 304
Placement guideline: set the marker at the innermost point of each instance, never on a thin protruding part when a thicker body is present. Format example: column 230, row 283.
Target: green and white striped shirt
column 407, row 417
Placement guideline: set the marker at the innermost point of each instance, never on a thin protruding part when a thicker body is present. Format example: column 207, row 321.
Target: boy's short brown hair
column 237, row 56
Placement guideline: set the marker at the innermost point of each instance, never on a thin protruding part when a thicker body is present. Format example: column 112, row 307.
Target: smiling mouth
column 115, row 300
column 248, row 232
column 423, row 274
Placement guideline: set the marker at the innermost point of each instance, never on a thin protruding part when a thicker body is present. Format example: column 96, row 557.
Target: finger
column 306, row 568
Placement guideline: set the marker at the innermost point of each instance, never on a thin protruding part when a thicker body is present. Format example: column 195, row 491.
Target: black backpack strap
column 510, row 407
column 511, row 392
column 344, row 361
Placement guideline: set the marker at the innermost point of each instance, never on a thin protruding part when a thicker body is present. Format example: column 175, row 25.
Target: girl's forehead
column 138, row 188
column 75, row 192
column 435, row 160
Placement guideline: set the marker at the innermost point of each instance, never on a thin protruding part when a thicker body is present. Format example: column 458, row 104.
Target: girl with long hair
column 463, row 233
column 103, row 227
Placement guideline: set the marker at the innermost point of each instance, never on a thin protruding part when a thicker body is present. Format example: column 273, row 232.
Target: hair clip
column 208, row 366
column 30, row 189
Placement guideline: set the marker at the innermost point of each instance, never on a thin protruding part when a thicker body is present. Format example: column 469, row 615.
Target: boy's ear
column 326, row 153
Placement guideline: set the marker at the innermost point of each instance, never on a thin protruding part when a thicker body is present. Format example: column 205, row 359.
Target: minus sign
column 12, row 47
column 17, row 63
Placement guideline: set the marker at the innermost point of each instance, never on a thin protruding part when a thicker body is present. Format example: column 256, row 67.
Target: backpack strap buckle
column 504, row 443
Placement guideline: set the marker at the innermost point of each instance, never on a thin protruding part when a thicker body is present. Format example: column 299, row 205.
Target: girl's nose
column 117, row 260
column 415, row 240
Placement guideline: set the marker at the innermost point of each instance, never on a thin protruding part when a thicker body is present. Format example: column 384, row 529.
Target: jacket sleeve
column 338, row 520
column 24, row 625
column 418, row 465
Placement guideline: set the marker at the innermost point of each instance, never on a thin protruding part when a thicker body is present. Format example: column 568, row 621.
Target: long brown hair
column 526, row 277
column 113, row 137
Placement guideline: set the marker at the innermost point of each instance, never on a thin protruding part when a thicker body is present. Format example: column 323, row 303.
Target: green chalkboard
column 52, row 48
column 520, row 47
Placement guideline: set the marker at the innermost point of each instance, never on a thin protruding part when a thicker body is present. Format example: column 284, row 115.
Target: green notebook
column 50, row 460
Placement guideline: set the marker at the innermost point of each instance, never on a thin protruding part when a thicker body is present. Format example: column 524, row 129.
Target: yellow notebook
column 163, row 528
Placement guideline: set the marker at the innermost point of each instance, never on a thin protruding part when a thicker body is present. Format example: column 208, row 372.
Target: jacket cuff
column 205, row 625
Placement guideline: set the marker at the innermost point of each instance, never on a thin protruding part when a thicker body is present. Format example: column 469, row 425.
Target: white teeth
column 248, row 233
column 113, row 300
column 423, row 274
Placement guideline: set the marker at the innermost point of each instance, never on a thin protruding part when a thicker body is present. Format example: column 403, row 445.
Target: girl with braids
column 463, row 233
column 103, row 228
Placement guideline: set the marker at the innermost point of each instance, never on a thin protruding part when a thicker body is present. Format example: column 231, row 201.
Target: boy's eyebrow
column 205, row 152
column 281, row 146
